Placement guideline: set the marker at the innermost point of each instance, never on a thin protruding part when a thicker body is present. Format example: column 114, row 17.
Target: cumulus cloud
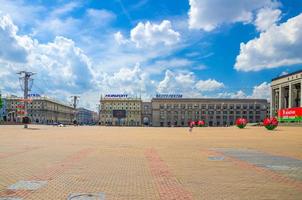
column 267, row 17
column 182, row 83
column 11, row 44
column 187, row 84
column 210, row 14
column 209, row 85
column 119, row 38
column 233, row 95
column 151, row 34
column 128, row 80
column 59, row 64
column 262, row 91
column 278, row 46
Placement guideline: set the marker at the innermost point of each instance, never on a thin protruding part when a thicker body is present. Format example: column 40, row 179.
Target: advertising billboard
column 290, row 114
column 119, row 114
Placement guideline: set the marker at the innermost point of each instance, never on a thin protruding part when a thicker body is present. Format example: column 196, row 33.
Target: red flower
column 201, row 123
column 270, row 123
column 241, row 121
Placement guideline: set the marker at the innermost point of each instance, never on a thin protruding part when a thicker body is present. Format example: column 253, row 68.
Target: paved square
column 150, row 163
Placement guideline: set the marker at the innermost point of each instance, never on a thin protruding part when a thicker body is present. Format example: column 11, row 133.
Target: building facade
column 3, row 110
column 85, row 116
column 215, row 112
column 146, row 113
column 120, row 110
column 286, row 92
column 41, row 110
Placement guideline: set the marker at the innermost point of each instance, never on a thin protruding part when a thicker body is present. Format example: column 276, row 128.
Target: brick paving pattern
column 152, row 163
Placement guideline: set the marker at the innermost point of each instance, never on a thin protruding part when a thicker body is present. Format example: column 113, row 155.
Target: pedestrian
column 191, row 126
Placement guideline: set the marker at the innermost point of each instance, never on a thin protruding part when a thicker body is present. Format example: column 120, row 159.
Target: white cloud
column 148, row 34
column 11, row 47
column 100, row 17
column 23, row 14
column 209, row 85
column 210, row 14
column 186, row 83
column 262, row 91
column 233, row 95
column 267, row 17
column 60, row 65
column 119, row 38
column 177, row 83
column 278, row 46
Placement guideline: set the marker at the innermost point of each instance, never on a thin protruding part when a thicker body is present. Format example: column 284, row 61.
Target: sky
column 198, row 48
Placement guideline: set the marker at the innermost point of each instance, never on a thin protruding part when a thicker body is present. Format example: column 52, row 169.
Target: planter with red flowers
column 270, row 123
column 241, row 122
column 201, row 123
column 192, row 123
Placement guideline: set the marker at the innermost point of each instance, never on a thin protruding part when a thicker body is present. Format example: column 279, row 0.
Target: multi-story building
column 147, row 113
column 215, row 112
column 85, row 116
column 120, row 110
column 41, row 110
column 3, row 110
column 286, row 95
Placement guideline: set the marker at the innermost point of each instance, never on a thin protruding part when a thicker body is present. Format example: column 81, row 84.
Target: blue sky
column 199, row 48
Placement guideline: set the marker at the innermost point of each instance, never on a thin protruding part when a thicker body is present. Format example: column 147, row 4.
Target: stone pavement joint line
column 27, row 149
column 167, row 185
column 50, row 173
column 261, row 170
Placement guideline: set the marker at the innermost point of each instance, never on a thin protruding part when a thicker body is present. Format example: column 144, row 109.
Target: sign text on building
column 290, row 114
column 116, row 95
column 169, row 96
column 34, row 95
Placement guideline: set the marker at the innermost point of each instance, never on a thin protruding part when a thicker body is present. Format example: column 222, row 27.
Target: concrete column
column 290, row 95
column 280, row 97
column 272, row 104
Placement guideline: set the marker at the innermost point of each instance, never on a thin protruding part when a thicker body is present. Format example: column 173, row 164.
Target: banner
column 290, row 114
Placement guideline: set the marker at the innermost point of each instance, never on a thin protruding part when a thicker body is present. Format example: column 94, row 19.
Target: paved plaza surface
column 46, row 162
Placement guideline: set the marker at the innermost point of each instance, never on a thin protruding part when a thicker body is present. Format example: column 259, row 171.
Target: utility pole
column 25, row 79
column 75, row 102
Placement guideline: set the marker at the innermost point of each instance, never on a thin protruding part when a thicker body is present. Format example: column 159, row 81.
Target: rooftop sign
column 116, row 95
column 169, row 96
column 34, row 95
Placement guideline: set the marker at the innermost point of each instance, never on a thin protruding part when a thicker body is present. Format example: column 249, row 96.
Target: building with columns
column 286, row 92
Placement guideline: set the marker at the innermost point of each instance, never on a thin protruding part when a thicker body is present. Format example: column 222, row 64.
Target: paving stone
column 10, row 198
column 215, row 158
column 86, row 196
column 27, row 185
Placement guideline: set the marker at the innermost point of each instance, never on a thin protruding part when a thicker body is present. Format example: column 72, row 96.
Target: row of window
column 212, row 106
column 210, row 112
column 210, row 117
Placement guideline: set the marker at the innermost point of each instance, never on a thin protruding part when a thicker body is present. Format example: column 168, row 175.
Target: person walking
column 192, row 123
